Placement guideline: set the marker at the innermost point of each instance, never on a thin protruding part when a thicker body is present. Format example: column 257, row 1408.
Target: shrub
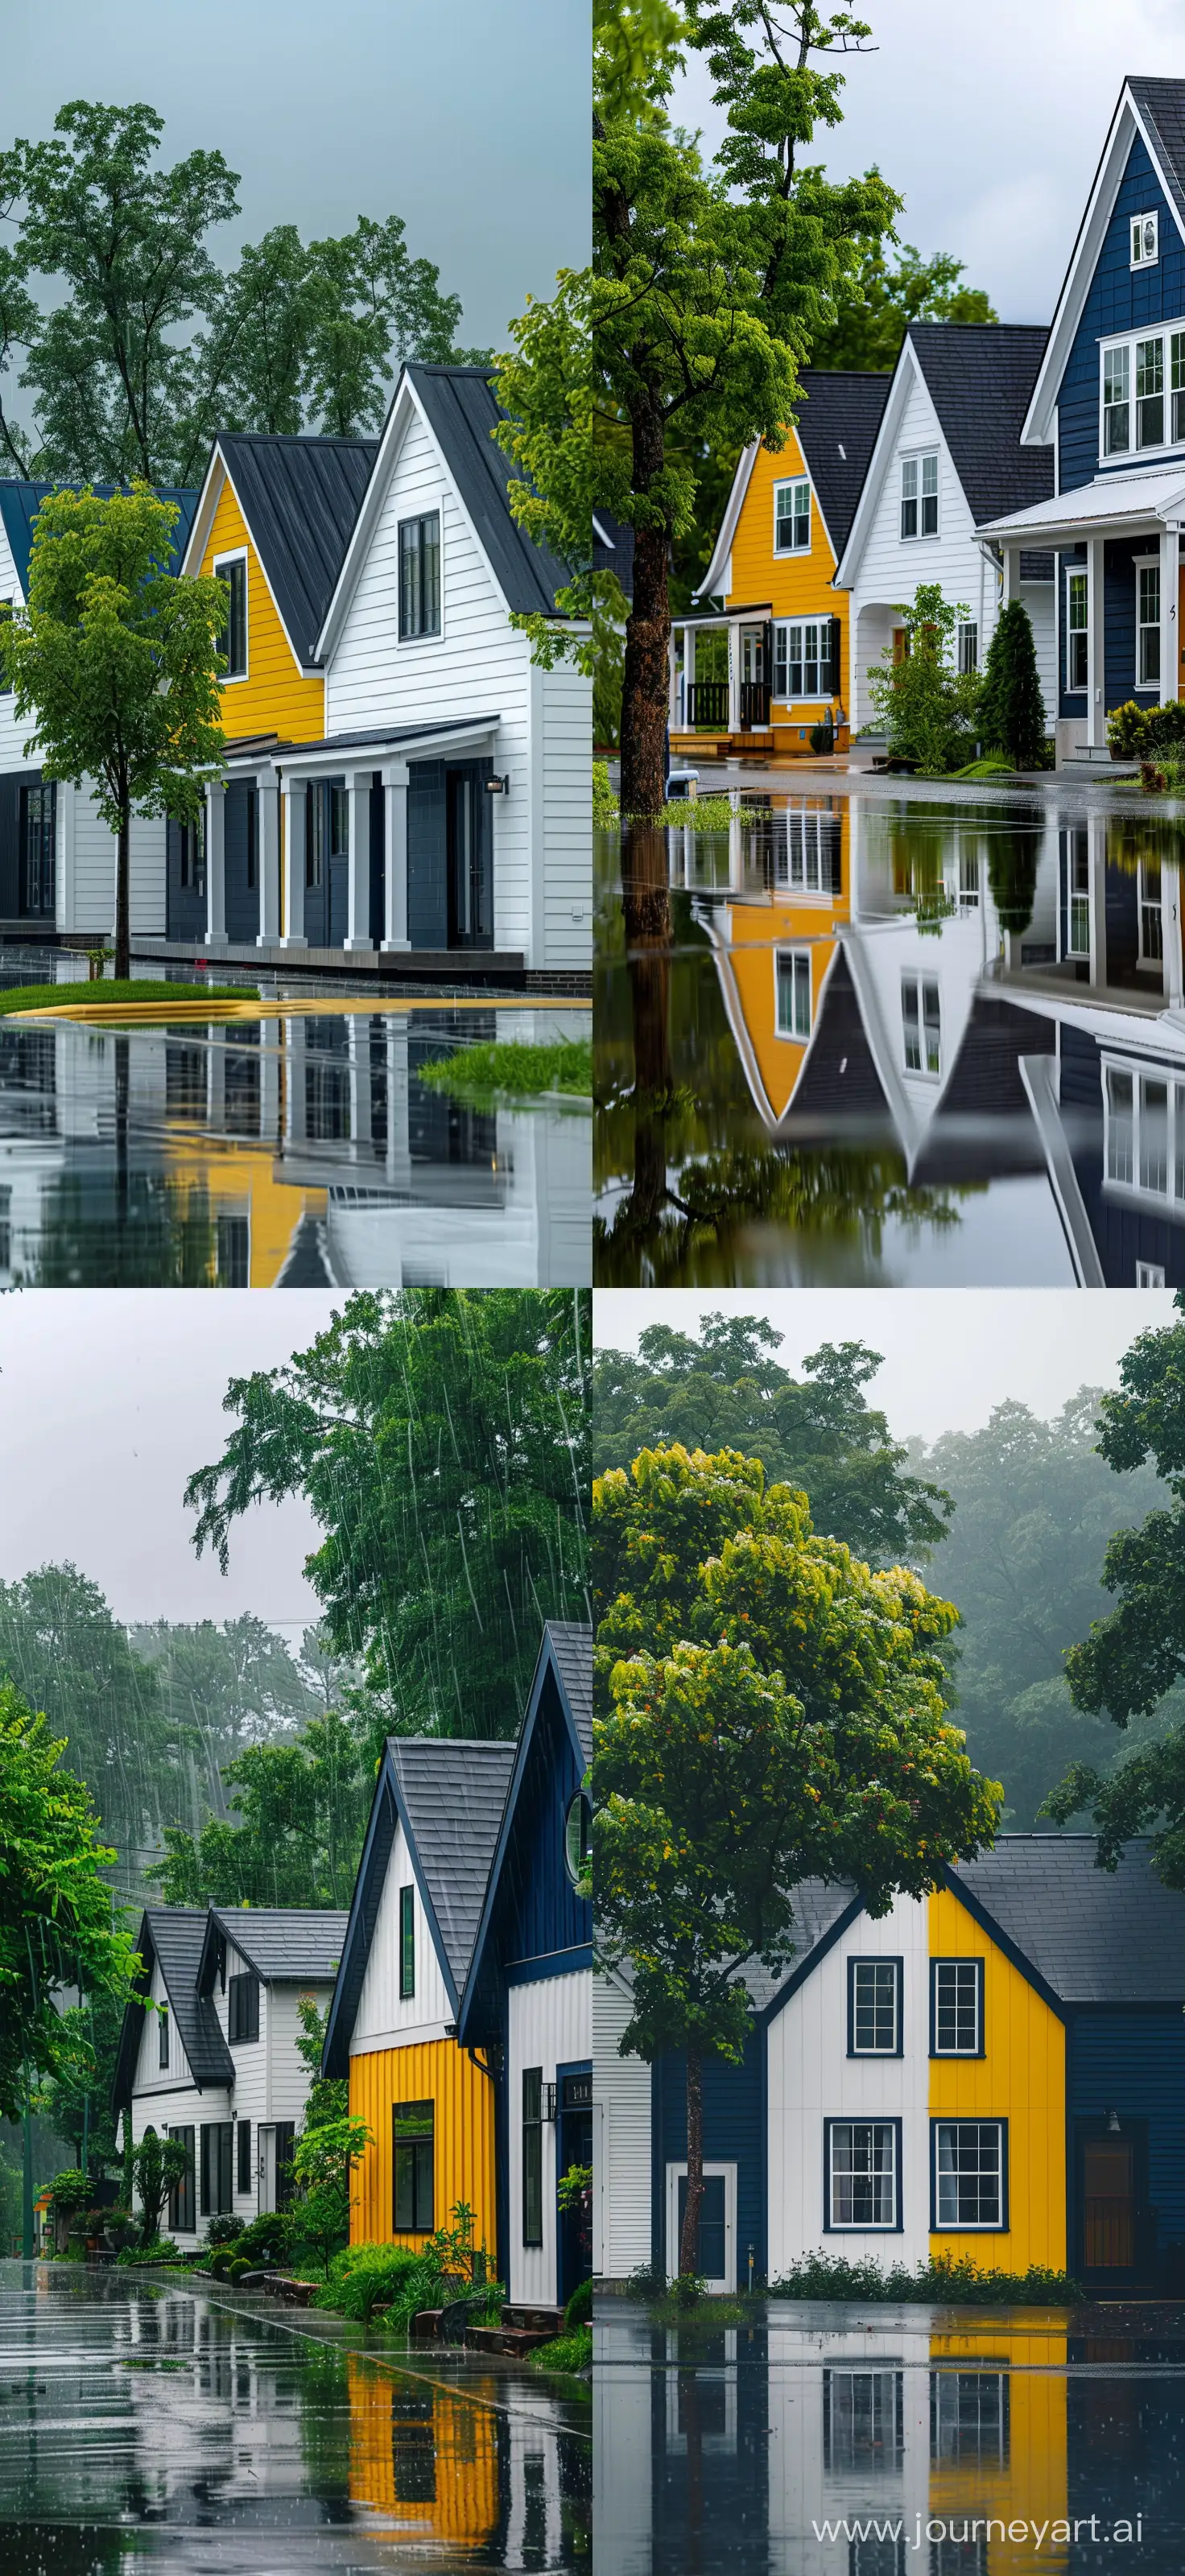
column 1011, row 707
column 236, row 2268
column 162, row 2249
column 580, row 2306
column 363, row 2275
column 606, row 812
column 928, row 708
column 957, row 2282
column 223, row 2231
column 1164, row 726
column 266, row 2241
column 570, row 2352
column 1127, row 729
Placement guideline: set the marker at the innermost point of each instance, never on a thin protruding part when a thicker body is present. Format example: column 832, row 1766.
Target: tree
column 303, row 1810
column 369, row 302
column 115, row 661
column 57, row 1927
column 927, row 707
column 322, row 2166
column 440, row 1439
column 819, row 1434
column 546, row 394
column 1011, row 707
column 769, row 1710
column 157, row 2166
column 226, row 1687
column 875, row 304
column 68, row 1656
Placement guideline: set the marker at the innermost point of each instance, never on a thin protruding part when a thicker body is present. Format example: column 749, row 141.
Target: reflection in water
column 865, row 1037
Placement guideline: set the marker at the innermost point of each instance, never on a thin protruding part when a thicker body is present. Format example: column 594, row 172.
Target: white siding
column 86, row 872
column 385, row 2018
column 535, row 1235
column 549, row 2025
column 1039, row 597
column 621, row 2139
column 810, row 2482
column 566, row 817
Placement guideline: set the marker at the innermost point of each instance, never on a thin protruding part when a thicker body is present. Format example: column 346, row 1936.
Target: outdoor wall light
column 1113, row 2124
column 498, row 786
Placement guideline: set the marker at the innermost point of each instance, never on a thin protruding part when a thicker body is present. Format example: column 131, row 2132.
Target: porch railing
column 754, row 704
column 707, row 702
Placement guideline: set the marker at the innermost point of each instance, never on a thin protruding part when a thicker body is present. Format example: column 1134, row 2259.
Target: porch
column 1119, row 603
column 724, row 709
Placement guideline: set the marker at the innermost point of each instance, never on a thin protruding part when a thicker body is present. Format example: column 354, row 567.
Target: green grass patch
column 567, row 2352
column 41, row 997
column 992, row 765
column 514, row 1066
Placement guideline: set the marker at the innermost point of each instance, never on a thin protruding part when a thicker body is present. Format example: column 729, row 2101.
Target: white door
column 717, row 2224
column 267, row 2168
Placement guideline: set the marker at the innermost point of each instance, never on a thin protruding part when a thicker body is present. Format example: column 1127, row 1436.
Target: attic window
column 243, row 2009
column 792, row 518
column 1145, row 241
column 577, row 1827
column 232, row 640
column 163, row 2025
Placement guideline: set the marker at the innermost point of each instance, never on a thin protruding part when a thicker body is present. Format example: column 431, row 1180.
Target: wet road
column 144, row 2426
column 868, row 2441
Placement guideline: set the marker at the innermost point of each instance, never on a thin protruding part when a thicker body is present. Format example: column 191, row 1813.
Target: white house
column 948, row 462
column 215, row 2062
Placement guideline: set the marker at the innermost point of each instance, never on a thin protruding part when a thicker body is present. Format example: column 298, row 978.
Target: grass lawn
column 42, row 997
column 477, row 1071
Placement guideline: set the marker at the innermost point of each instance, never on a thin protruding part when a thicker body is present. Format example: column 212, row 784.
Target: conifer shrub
column 1011, row 707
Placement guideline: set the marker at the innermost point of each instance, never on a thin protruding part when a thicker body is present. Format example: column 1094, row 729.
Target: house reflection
column 451, row 2472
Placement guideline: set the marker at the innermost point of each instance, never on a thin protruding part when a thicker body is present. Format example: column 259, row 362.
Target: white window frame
column 916, row 464
column 834, row 2226
column 914, row 978
column 1123, row 344
column 967, row 648
column 1077, row 584
column 1138, row 256
column 806, row 859
column 722, row 2444
column 801, row 957
column 1150, row 1274
column 233, row 555
column 785, row 658
column 1150, row 949
column 421, row 509
column 677, row 2173
column 1133, row 1184
column 793, row 484
column 1142, row 564
column 998, row 2226
column 1077, row 891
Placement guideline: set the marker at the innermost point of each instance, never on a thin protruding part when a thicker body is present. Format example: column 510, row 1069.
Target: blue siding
column 734, row 2133
column 427, row 876
column 1134, row 2062
column 536, row 1910
column 1120, row 298
column 1124, row 1231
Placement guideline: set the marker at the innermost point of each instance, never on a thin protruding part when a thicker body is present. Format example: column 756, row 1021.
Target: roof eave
column 1037, row 429
column 896, row 399
column 728, row 525
column 546, row 1661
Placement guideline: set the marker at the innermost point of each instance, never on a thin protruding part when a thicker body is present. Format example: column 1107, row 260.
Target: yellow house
column 392, row 2026
column 776, row 939
column 997, row 2070
column 763, row 670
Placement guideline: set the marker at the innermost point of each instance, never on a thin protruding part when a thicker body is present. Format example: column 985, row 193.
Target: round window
column 577, row 1825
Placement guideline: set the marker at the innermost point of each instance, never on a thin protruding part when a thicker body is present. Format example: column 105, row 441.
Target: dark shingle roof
column 300, row 498
column 613, row 548
column 572, row 1646
column 461, row 408
column 453, row 1791
column 837, row 426
column 819, row 1905
column 980, row 376
column 20, row 503
column 176, row 1933
column 1162, row 105
column 287, row 1943
column 1095, row 1936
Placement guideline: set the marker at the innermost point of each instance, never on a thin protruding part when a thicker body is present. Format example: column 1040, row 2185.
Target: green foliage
column 610, row 610
column 48, row 997
column 606, row 810
column 727, row 1390
column 545, row 390
column 571, row 2353
column 303, row 1809
column 362, row 2277
column 527, row 1070
column 440, row 1439
column 927, row 707
column 875, row 304
column 1011, row 707
column 157, row 2164
column 322, row 2166
column 71, row 2190
column 65, row 1653
column 637, row 48
column 579, row 2308
column 223, row 2230
column 265, row 2240
column 956, row 2281
column 1127, row 729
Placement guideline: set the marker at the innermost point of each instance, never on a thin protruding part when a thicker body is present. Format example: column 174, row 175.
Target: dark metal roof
column 571, row 1643
column 251, row 745
column 20, row 503
column 1095, row 1936
column 613, row 548
column 980, row 376
column 174, row 1935
column 462, row 411
column 300, row 498
column 837, row 423
column 288, row 1943
column 453, row 1792
column 1161, row 104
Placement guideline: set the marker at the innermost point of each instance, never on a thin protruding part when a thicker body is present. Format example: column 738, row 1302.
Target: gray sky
column 950, row 1354
column 469, row 120
column 109, row 1399
column 990, row 122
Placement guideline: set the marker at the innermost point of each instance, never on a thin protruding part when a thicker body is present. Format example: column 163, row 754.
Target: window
column 314, row 835
column 407, row 1941
column 252, row 838
column 1150, row 1274
column 863, row 2422
column 577, row 1827
column 970, row 2175
column 806, row 659
column 244, row 2172
column 1116, row 414
column 1077, row 638
column 921, row 1022
column 968, row 645
column 1078, row 893
column 1148, row 623
column 792, row 518
column 1121, row 1125
column 217, row 2194
column 919, row 496
column 232, row 640
column 413, row 2128
column 956, row 2008
column 1150, row 393
column 419, row 575
column 532, row 2155
column 181, row 2195
column 163, row 2031
column 863, row 2180
column 1177, row 382
column 811, row 860
column 1150, row 914
column 285, row 2147
column 38, row 837
column 1145, row 250
column 792, row 968
column 874, row 2007
column 243, row 2009
column 1140, row 409
column 969, row 2416
column 193, row 854
column 6, row 609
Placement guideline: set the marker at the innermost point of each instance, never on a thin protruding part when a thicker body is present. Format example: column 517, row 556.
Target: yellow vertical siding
column 275, row 697
column 1031, row 2483
column 758, row 930
column 1021, row 2078
column 440, row 2072
column 425, row 2459
column 798, row 585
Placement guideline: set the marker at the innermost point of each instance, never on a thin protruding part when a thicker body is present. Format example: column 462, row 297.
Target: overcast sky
column 990, row 122
column 109, row 1399
column 950, row 1354
column 469, row 120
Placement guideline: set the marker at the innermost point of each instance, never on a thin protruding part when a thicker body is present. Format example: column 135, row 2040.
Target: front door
column 266, row 2168
column 470, row 857
column 1108, row 2204
column 37, row 880
column 716, row 2262
column 573, row 2146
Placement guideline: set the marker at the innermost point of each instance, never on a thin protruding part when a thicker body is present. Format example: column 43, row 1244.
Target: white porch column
column 395, row 781
column 293, row 1032
column 1097, row 852
column 1011, row 574
column 271, row 1034
column 688, row 671
column 358, row 786
column 1173, row 985
column 734, row 679
column 398, row 1095
column 293, row 793
column 672, row 685
column 1096, row 712
column 1170, row 640
column 358, row 1043
column 267, row 859
column 215, row 867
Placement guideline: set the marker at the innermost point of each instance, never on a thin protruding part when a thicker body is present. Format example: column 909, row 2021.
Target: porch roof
column 263, row 750
column 727, row 616
column 1111, row 504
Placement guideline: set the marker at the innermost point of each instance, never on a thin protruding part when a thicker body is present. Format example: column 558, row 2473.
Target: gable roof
column 20, row 503
column 571, row 1643
column 1154, row 110
column 1096, row 1936
column 174, row 1936
column 837, row 428
column 566, row 1653
column 300, row 498
column 980, row 378
column 287, row 1943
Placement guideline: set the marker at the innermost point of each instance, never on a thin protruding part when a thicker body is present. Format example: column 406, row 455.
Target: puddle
column 882, row 1040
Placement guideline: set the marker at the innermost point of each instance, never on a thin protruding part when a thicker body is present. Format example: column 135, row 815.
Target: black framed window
column 969, row 2417
column 162, row 2025
column 862, row 2174
column 232, row 640
column 532, row 2155
column 243, row 2008
column 193, row 854
column 181, row 2196
column 252, row 837
column 863, row 2421
column 419, row 575
column 413, row 2125
column 217, row 2188
column 577, row 1833
column 243, row 2133
column 407, row 1941
column 956, row 2008
column 970, row 2175
column 285, row 2142
column 874, row 2007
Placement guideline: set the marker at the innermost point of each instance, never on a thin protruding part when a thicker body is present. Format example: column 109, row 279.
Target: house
column 57, row 856
column 773, row 663
column 1106, row 411
column 392, row 2029
column 215, row 2063
column 995, row 2072
column 946, row 464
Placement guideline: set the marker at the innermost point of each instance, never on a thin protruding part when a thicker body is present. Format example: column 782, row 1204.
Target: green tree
column 1011, row 707
column 546, row 394
column 225, row 1687
column 769, row 1710
column 875, row 304
column 303, row 1809
column 369, row 305
column 322, row 2167
column 819, row 1434
column 77, row 2102
column 67, row 1655
column 927, row 707
column 157, row 2165
column 114, row 660
column 441, row 1441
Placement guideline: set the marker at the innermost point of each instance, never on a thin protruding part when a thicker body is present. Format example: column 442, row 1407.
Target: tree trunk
column 123, row 931
column 647, row 639
column 689, row 2241
column 646, row 905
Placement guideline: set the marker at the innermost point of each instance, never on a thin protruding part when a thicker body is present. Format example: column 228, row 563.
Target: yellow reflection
column 425, row 2458
column 776, row 942
column 998, row 2441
